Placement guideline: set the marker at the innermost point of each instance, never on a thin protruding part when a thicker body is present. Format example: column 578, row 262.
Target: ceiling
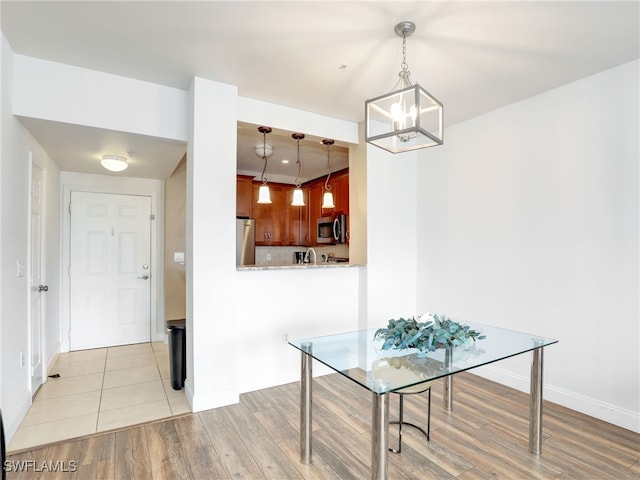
column 313, row 155
column 321, row 56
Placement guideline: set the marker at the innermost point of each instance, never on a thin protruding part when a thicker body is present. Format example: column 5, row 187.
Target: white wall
column 64, row 93
column 14, row 221
column 4, row 56
column 211, row 198
column 391, row 235
column 271, row 305
column 17, row 144
column 528, row 219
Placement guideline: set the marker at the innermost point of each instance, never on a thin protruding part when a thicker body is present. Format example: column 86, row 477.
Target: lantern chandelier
column 409, row 117
column 264, row 195
column 298, row 195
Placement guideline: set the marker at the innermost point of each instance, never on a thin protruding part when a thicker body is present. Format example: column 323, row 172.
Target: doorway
column 110, row 269
column 37, row 287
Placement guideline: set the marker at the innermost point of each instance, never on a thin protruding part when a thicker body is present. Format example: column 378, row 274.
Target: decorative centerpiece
column 437, row 331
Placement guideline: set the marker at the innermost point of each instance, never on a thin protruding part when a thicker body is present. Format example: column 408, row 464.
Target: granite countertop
column 297, row 266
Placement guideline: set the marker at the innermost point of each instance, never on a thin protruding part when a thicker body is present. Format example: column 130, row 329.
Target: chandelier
column 409, row 117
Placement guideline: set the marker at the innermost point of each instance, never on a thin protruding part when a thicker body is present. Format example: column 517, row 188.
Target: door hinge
column 152, row 216
column 69, row 207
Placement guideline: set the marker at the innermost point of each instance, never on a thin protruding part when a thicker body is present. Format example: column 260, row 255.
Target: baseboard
column 580, row 403
column 11, row 425
column 282, row 378
column 212, row 400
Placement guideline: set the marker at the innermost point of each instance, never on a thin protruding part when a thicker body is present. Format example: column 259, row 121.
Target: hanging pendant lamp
column 264, row 195
column 298, row 195
column 409, row 117
column 327, row 198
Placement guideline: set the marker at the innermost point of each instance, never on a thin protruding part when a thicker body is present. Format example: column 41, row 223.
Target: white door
column 110, row 270
column 37, row 287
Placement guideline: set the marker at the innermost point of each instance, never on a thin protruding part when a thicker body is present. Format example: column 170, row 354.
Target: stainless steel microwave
column 332, row 230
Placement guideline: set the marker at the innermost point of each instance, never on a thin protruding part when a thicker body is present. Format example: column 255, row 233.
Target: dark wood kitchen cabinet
column 340, row 188
column 270, row 221
column 243, row 195
column 280, row 223
column 297, row 219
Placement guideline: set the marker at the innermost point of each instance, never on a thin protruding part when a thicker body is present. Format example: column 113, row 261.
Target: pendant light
column 409, row 117
column 298, row 195
column 264, row 195
column 327, row 198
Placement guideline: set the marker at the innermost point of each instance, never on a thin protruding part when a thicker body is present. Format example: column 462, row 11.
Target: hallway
column 100, row 390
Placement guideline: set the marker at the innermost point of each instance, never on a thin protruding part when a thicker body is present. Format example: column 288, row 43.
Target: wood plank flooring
column 484, row 437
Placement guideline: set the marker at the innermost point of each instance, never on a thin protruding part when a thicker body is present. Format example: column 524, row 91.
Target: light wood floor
column 486, row 436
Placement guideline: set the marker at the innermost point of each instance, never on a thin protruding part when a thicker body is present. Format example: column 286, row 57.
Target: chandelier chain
column 405, row 73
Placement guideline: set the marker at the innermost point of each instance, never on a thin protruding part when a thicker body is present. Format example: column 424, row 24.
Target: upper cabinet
column 340, row 187
column 270, row 222
column 279, row 223
column 243, row 195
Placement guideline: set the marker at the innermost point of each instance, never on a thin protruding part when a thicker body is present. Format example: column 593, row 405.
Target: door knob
column 43, row 288
column 144, row 277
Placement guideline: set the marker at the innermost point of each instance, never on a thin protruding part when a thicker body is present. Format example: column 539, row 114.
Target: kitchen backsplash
column 286, row 255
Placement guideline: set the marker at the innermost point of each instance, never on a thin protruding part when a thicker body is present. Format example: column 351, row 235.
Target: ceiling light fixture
column 327, row 198
column 408, row 118
column 114, row 163
column 264, row 195
column 264, row 150
column 298, row 195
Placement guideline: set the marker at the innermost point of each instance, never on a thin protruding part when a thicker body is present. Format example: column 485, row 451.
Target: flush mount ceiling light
column 298, row 196
column 409, row 117
column 114, row 163
column 264, row 195
column 327, row 198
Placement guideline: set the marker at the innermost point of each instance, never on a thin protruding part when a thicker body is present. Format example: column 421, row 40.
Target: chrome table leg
column 535, row 406
column 306, row 379
column 447, row 393
column 379, row 436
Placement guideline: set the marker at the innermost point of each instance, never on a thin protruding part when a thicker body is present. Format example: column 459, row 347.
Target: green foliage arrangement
column 437, row 331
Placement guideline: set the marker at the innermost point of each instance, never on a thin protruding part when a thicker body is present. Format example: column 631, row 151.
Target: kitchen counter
column 296, row 266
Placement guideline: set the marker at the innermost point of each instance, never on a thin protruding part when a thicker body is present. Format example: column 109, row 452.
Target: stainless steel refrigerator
column 245, row 241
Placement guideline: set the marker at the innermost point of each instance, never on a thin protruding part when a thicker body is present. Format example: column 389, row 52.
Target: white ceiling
column 473, row 56
column 313, row 155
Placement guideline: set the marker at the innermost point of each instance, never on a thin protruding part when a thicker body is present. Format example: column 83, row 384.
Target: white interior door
column 36, row 274
column 110, row 270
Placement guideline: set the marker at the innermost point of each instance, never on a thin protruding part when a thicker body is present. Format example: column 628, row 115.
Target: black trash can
column 177, row 352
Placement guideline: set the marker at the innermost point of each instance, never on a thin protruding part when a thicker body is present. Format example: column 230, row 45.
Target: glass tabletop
column 360, row 358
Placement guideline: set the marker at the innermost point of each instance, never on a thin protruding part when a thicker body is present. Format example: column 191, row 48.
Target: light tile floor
column 99, row 390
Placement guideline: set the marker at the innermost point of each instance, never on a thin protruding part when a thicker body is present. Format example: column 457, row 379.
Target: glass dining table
column 358, row 356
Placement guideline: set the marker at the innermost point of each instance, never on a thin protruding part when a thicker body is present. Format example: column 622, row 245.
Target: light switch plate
column 178, row 257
